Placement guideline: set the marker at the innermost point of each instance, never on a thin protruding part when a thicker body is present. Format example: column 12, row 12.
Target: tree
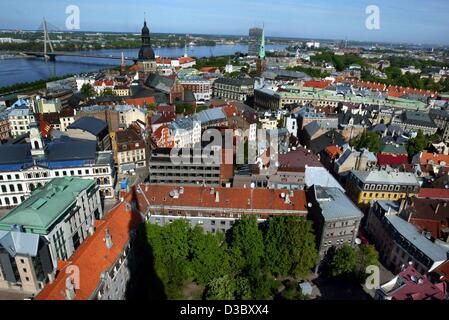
column 88, row 90
column 368, row 140
column 222, row 288
column 247, row 244
column 344, row 262
column 367, row 255
column 170, row 250
column 290, row 247
column 108, row 92
column 419, row 143
column 208, row 255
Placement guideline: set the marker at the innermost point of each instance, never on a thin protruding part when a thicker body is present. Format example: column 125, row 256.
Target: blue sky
column 401, row 20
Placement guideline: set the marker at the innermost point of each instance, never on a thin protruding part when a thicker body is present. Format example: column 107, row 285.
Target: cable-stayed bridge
column 49, row 54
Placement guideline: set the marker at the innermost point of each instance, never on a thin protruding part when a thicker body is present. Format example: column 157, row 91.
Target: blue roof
column 89, row 124
column 62, row 153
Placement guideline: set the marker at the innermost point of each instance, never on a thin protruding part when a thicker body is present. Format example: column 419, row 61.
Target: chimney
column 91, row 229
column 217, row 197
column 69, row 289
column 401, row 207
column 108, row 239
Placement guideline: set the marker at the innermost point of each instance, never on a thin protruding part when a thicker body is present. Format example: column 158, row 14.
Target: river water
column 15, row 70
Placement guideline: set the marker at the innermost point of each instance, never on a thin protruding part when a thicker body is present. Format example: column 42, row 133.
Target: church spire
column 262, row 53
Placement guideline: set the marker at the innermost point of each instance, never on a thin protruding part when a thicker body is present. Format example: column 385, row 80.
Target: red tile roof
column 391, row 159
column 322, row 84
column 141, row 102
column 184, row 60
column 229, row 198
column 434, row 193
column 333, row 151
column 93, row 257
column 412, row 289
column 435, row 157
column 163, row 60
column 104, row 83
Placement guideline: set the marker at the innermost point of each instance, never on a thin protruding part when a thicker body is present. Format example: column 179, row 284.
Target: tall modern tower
column 255, row 35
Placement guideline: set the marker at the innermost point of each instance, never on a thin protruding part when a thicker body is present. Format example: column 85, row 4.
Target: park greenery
column 245, row 263
column 340, row 63
column 312, row 72
column 367, row 140
column 88, row 90
column 218, row 62
column 420, row 143
column 351, row 263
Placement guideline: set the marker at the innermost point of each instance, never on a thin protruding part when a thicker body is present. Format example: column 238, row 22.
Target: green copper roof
column 46, row 205
column 262, row 53
column 391, row 148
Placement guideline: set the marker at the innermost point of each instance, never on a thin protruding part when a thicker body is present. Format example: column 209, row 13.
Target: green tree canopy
column 368, row 140
column 420, row 143
column 290, row 248
column 222, row 288
column 367, row 256
column 344, row 262
column 88, row 90
column 247, row 244
column 208, row 255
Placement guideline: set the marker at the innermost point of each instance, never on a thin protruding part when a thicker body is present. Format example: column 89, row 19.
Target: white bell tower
column 37, row 144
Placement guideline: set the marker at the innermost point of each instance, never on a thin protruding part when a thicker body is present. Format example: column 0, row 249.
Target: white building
column 185, row 132
column 19, row 121
column 26, row 167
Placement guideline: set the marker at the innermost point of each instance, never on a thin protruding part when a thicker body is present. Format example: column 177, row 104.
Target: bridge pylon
column 47, row 43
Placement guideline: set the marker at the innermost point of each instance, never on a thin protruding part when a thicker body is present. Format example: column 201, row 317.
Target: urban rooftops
column 46, row 205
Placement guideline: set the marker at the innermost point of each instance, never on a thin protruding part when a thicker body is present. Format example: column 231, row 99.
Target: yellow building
column 365, row 186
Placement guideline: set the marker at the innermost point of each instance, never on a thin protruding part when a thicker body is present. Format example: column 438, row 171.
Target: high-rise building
column 255, row 36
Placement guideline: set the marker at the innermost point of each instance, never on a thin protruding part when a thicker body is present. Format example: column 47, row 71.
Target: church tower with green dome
column 261, row 63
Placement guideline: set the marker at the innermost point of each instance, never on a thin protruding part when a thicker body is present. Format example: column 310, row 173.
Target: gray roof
column 89, row 124
column 386, row 177
column 19, row 243
column 182, row 123
column 161, row 83
column 418, row 118
column 71, row 149
column 312, row 128
column 335, row 205
column 411, row 233
column 235, row 82
column 210, row 115
column 319, row 176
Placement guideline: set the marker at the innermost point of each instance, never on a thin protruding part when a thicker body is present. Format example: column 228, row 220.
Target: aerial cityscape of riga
column 222, row 150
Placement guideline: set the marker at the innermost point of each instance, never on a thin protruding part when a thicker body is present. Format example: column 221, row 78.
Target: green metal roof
column 391, row 148
column 46, row 205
